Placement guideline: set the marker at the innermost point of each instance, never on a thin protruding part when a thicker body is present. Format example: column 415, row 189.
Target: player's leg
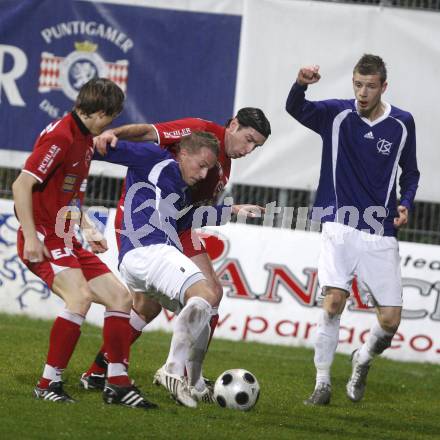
column 336, row 268
column 191, row 322
column 106, row 289
column 62, row 273
column 191, row 328
column 327, row 336
column 381, row 334
column 70, row 285
column 379, row 272
column 378, row 340
column 197, row 356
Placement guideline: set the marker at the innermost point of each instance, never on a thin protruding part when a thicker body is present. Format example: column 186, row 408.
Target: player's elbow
column 22, row 183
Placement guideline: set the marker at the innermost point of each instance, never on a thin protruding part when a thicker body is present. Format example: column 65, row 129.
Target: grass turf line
column 401, row 402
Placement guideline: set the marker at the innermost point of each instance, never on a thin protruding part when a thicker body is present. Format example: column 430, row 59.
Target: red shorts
column 189, row 249
column 61, row 257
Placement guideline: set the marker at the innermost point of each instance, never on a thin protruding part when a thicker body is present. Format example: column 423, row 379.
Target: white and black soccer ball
column 237, row 389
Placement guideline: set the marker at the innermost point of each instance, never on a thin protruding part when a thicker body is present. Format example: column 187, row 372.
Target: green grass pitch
column 402, row 400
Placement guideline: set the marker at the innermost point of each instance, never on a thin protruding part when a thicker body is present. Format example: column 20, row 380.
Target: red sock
column 99, row 365
column 63, row 338
column 134, row 335
column 117, row 339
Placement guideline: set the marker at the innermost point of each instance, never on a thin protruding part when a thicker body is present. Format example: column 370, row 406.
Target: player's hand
column 308, row 75
column 34, row 250
column 252, row 211
column 403, row 216
column 99, row 246
column 100, row 142
column 96, row 241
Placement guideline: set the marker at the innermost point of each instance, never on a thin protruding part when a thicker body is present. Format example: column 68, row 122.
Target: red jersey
column 170, row 133
column 60, row 162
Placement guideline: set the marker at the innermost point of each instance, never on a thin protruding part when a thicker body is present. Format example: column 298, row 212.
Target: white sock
column 189, row 324
column 136, row 321
column 196, row 358
column 52, row 373
column 327, row 337
column 378, row 340
column 116, row 369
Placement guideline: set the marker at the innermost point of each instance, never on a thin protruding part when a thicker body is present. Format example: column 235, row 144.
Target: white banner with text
column 271, row 289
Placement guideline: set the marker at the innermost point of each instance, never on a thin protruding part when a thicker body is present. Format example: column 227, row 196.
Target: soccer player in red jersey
column 247, row 130
column 48, row 194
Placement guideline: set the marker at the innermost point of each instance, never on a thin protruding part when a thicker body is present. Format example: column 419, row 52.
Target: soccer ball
column 237, row 389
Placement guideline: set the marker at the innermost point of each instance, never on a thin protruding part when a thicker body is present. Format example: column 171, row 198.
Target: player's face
column 368, row 90
column 240, row 141
column 99, row 122
column 195, row 166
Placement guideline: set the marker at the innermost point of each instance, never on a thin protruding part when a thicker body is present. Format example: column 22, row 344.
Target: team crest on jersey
column 69, row 183
column 70, row 73
column 384, row 147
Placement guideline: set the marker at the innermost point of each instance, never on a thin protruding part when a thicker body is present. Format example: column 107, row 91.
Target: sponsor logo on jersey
column 384, row 147
column 177, row 134
column 48, row 159
column 69, row 183
column 61, row 253
column 369, row 135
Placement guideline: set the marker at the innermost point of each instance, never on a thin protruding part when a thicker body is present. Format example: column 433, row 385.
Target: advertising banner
column 271, row 291
column 170, row 63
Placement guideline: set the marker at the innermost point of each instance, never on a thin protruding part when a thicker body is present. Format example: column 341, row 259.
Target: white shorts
column 347, row 252
column 161, row 271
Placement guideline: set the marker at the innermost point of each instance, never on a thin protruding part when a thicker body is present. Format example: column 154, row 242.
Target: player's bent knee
column 389, row 319
column 79, row 302
column 389, row 325
column 202, row 290
column 119, row 299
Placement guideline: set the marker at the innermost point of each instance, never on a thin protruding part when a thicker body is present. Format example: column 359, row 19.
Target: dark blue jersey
column 157, row 203
column 359, row 161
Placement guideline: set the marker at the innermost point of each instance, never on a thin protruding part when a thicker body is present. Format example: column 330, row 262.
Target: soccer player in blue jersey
column 364, row 141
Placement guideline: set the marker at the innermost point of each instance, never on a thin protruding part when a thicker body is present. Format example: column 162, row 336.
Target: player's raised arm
column 131, row 132
column 309, row 113
column 34, row 249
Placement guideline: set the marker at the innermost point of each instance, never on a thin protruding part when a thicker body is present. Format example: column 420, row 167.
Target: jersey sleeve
column 48, row 154
column 131, row 154
column 312, row 114
column 409, row 178
column 169, row 133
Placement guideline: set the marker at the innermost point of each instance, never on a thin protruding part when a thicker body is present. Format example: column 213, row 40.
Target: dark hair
column 200, row 139
column 371, row 65
column 255, row 118
column 100, row 94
